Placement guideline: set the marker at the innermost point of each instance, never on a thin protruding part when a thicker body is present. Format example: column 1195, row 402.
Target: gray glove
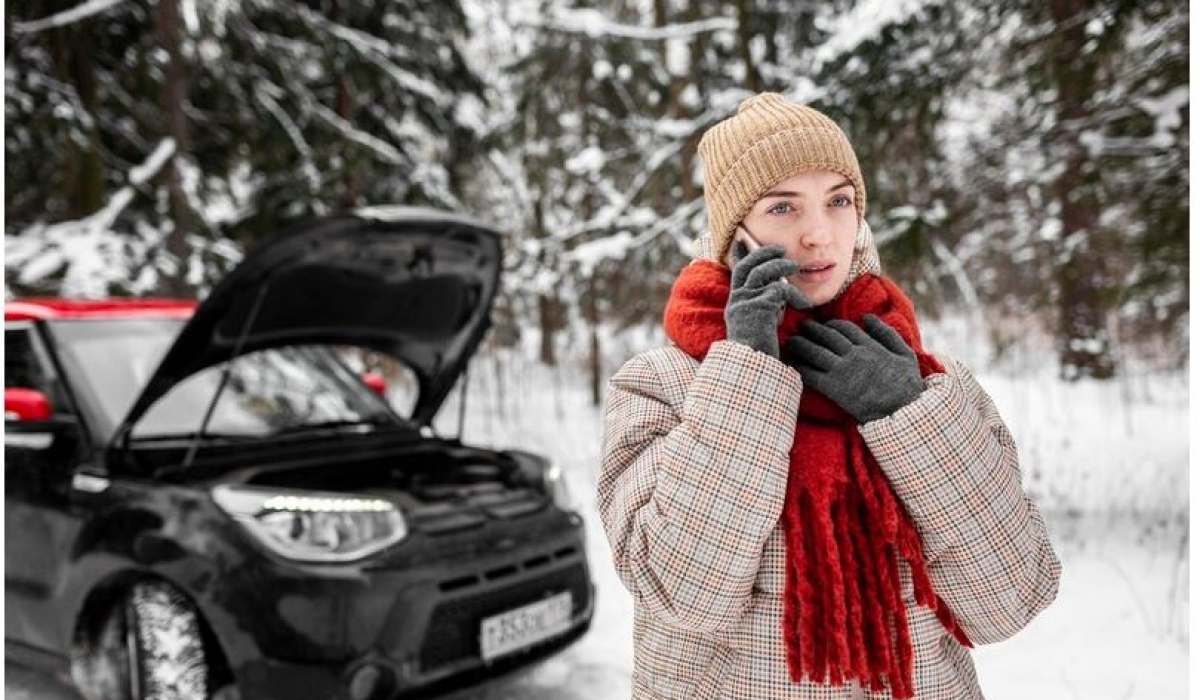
column 868, row 376
column 757, row 296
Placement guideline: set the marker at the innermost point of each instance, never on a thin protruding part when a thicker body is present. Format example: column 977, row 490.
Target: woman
column 803, row 501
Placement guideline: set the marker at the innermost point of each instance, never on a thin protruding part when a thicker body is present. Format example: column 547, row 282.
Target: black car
column 210, row 501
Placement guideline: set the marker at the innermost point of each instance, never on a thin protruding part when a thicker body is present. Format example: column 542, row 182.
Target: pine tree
column 269, row 111
column 1080, row 197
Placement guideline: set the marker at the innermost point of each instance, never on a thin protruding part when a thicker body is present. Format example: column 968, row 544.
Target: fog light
column 370, row 681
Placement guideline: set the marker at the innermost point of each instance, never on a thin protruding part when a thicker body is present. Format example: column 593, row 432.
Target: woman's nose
column 817, row 232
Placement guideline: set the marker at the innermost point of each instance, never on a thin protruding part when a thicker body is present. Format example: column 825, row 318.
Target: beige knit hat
column 768, row 140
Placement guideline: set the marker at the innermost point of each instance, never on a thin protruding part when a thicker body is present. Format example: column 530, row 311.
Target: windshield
column 268, row 392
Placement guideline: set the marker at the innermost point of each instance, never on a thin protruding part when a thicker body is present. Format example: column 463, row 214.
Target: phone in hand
column 741, row 234
column 752, row 244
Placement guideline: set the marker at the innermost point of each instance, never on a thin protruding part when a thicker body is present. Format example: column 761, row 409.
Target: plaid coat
column 690, row 492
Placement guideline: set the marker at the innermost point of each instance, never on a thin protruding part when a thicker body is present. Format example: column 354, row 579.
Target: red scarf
column 842, row 522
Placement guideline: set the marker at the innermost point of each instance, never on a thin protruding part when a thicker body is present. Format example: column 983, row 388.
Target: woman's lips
column 823, row 273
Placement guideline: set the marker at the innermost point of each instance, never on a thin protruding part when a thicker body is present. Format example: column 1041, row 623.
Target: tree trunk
column 672, row 106
column 83, row 169
column 547, row 301
column 744, row 34
column 688, row 189
column 671, row 94
column 588, row 210
column 173, row 94
column 1083, row 278
column 548, row 319
column 345, row 110
column 350, row 177
column 596, row 364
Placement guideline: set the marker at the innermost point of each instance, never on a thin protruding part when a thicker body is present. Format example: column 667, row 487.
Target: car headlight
column 314, row 526
column 556, row 487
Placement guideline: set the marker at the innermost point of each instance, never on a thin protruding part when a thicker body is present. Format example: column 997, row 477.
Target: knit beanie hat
column 767, row 141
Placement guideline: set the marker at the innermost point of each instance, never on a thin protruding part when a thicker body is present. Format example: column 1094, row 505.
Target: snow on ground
column 1118, row 629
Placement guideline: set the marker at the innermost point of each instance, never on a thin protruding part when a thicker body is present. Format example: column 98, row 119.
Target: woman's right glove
column 757, row 296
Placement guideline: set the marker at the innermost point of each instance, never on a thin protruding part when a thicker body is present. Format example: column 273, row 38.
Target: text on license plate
column 525, row 625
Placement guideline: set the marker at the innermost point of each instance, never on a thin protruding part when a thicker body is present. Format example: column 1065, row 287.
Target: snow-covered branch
column 618, row 245
column 381, row 148
column 311, row 104
column 608, row 215
column 86, row 247
column 71, row 16
column 595, row 24
column 263, row 96
column 680, row 130
column 378, row 52
column 358, row 40
column 150, row 167
column 863, row 23
column 958, row 272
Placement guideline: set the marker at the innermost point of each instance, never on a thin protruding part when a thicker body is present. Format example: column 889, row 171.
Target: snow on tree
column 279, row 111
column 1025, row 160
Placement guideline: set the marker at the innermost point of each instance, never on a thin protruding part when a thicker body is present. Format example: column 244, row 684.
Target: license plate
column 524, row 626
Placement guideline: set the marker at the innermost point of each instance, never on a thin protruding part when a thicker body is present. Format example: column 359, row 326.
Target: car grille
column 444, row 517
column 453, row 632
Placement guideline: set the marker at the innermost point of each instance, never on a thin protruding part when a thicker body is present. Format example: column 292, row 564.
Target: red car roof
column 52, row 307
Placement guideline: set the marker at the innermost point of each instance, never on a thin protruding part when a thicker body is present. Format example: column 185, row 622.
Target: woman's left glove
column 869, row 375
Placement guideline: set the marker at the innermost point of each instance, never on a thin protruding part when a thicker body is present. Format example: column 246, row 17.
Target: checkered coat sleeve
column 688, row 497
column 953, row 463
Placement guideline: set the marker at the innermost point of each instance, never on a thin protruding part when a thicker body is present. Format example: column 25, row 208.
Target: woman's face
column 812, row 216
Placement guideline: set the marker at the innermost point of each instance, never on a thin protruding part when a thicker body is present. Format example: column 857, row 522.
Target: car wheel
column 148, row 648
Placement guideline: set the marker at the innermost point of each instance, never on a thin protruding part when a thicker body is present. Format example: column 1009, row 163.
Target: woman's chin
column 818, row 293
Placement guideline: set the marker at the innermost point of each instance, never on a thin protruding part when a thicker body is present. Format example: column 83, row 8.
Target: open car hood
column 415, row 283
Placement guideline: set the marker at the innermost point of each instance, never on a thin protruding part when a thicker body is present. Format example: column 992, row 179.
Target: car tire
column 149, row 647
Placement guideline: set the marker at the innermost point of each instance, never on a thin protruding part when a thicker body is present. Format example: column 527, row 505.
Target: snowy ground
column 1118, row 629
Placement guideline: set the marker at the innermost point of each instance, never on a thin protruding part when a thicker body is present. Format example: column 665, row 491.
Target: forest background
column 1026, row 161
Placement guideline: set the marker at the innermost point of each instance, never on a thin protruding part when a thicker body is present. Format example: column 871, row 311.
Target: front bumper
column 410, row 625
column 267, row 678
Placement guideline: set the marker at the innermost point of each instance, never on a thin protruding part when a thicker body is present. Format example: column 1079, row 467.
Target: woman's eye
column 780, row 209
column 842, row 198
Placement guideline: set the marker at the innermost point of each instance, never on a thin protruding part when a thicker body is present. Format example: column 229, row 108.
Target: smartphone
column 741, row 234
column 752, row 244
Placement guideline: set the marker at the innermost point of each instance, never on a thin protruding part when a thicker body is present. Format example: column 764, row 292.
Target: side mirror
column 26, row 405
column 375, row 382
